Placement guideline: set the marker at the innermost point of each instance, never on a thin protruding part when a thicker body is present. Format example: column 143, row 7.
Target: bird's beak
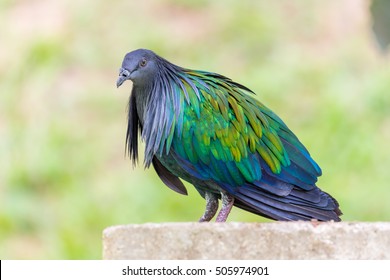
column 123, row 76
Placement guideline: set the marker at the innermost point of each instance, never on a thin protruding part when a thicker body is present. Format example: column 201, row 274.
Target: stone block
column 275, row 240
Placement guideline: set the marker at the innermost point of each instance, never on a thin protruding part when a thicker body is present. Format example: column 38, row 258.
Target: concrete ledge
column 277, row 240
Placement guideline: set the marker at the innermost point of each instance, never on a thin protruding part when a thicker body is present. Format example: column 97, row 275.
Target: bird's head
column 139, row 66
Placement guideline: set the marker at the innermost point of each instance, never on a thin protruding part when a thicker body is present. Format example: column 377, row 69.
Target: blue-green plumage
column 210, row 131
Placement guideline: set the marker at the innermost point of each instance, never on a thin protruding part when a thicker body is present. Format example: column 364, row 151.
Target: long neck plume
column 156, row 109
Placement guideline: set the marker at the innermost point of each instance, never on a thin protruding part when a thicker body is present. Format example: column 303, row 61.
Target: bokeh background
column 64, row 175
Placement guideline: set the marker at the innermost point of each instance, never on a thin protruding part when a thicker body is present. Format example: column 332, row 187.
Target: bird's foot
column 211, row 207
column 227, row 204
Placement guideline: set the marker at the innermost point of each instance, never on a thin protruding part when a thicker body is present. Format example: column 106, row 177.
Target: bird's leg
column 227, row 204
column 211, row 207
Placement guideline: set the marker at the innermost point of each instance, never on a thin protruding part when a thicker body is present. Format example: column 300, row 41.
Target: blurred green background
column 64, row 176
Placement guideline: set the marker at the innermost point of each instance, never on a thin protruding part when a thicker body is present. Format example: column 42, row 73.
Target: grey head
column 139, row 66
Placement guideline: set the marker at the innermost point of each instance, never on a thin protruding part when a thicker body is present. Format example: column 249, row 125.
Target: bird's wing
column 231, row 138
column 222, row 136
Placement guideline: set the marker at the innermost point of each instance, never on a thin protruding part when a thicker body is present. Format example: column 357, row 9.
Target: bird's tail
column 297, row 205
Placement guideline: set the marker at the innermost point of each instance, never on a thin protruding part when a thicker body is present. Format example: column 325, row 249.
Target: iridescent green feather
column 222, row 121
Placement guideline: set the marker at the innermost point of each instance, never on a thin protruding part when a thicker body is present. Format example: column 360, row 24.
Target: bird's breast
column 176, row 168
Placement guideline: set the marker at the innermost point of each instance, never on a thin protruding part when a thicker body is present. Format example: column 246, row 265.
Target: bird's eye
column 142, row 62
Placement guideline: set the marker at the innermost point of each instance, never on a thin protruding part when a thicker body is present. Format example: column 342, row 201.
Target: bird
column 208, row 130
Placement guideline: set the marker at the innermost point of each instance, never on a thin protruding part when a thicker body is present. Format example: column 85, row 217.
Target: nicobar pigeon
column 210, row 131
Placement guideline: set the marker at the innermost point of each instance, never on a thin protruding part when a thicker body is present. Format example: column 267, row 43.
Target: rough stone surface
column 277, row 240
